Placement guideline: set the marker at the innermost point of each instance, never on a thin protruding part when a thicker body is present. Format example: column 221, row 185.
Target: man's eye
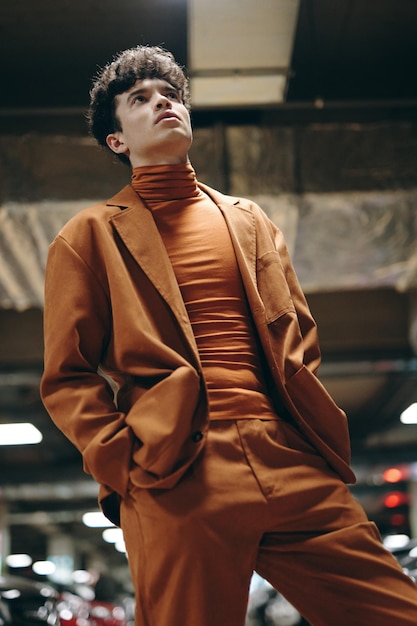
column 173, row 95
column 139, row 99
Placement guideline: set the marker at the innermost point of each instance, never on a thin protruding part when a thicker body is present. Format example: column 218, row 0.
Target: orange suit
column 112, row 305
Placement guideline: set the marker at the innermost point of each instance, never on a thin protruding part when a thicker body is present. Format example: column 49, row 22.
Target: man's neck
column 162, row 160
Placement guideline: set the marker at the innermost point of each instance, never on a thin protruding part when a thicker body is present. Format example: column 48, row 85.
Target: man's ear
column 116, row 143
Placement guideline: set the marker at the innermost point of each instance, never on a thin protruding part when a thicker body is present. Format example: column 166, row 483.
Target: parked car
column 406, row 556
column 266, row 607
column 5, row 617
column 75, row 610
column 25, row 602
column 107, row 614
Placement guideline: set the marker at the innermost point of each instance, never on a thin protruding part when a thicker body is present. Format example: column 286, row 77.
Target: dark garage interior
column 332, row 160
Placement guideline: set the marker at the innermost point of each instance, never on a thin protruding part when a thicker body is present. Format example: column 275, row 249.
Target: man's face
column 156, row 127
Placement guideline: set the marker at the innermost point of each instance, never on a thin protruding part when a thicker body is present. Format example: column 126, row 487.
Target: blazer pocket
column 162, row 421
column 319, row 412
column 273, row 287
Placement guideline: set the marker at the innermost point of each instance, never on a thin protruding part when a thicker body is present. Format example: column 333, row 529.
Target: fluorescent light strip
column 409, row 416
column 96, row 519
column 19, row 434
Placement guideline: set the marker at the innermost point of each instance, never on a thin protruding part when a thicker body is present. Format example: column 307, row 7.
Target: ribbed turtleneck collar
column 159, row 183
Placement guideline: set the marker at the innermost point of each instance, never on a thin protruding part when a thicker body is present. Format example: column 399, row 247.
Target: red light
column 395, row 498
column 398, row 519
column 393, row 475
column 396, row 474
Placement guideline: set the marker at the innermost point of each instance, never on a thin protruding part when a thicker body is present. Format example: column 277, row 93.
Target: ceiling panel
column 355, row 50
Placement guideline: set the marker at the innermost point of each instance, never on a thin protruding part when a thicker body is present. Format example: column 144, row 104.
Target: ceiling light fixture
column 96, row 519
column 19, row 434
column 82, row 577
column 120, row 547
column 113, row 535
column 409, row 416
column 18, row 560
column 392, row 542
column 233, row 73
column 44, row 568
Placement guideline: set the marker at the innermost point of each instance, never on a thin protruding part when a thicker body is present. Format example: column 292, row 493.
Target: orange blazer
column 122, row 376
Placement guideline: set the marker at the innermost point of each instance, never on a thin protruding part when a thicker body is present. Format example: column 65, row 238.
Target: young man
column 216, row 447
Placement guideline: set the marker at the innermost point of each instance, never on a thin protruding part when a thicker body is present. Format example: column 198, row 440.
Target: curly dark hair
column 122, row 73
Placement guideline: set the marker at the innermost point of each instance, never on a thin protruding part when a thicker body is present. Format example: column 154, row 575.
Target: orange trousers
column 260, row 498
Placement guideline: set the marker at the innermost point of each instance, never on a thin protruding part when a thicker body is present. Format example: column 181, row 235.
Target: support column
column 4, row 534
column 412, row 321
column 61, row 552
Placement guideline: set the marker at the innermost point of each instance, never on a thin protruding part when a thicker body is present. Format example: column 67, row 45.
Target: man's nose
column 162, row 101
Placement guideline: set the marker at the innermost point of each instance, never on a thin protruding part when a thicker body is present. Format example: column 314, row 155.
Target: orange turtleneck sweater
column 198, row 243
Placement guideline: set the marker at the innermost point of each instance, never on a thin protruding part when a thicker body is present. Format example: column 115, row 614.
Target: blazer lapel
column 241, row 224
column 137, row 229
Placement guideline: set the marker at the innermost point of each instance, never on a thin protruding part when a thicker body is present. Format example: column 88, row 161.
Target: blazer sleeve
column 79, row 400
column 307, row 324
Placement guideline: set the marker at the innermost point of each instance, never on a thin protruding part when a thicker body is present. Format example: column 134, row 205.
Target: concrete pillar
column 61, row 552
column 4, row 534
column 412, row 323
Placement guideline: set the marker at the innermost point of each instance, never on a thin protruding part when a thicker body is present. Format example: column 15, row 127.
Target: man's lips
column 166, row 115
